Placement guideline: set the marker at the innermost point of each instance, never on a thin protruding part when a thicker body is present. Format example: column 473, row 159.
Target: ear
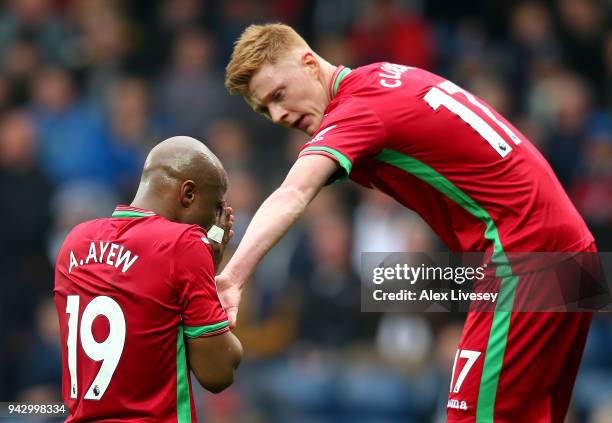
column 187, row 194
column 310, row 61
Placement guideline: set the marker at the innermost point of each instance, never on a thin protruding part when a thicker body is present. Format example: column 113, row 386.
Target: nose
column 278, row 114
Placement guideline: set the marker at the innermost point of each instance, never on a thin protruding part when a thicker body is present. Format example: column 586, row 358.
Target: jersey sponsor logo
column 456, row 404
column 392, row 74
column 319, row 136
column 100, row 252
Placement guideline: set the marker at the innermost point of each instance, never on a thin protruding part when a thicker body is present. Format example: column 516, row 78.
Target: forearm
column 235, row 351
column 271, row 222
column 214, row 360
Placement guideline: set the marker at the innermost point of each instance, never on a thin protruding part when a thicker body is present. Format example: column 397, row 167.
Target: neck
column 327, row 73
column 148, row 202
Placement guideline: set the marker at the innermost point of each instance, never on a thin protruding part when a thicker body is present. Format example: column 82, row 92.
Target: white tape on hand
column 216, row 234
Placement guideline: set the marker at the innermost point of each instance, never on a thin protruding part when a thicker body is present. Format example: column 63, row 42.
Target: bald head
column 182, row 158
column 183, row 181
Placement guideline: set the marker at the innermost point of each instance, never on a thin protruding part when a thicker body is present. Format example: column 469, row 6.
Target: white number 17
column 471, row 356
column 440, row 95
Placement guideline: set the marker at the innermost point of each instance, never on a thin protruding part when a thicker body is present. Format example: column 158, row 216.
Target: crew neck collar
column 337, row 77
column 131, row 211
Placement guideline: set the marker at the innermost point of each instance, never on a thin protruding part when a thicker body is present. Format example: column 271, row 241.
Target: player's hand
column 225, row 220
column 230, row 292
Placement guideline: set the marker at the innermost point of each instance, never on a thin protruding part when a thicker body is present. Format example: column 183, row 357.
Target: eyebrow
column 264, row 109
column 260, row 109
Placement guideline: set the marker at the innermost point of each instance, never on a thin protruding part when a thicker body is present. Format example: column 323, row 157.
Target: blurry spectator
column 532, row 31
column 404, row 340
column 594, row 382
column 288, row 11
column 387, row 32
column 6, row 95
column 69, row 128
column 592, row 187
column 379, row 225
column 234, row 16
column 105, row 44
column 74, row 203
column 564, row 102
column 134, row 130
column 192, row 91
column 334, row 17
column 40, row 379
column 24, row 190
column 446, row 344
column 533, row 41
column 336, row 48
column 602, row 413
column 468, row 53
column 607, row 57
column 230, row 141
column 128, row 107
column 327, row 287
column 24, row 217
column 582, row 30
column 175, row 15
column 244, row 196
column 36, row 20
column 495, row 92
column 21, row 63
column 160, row 25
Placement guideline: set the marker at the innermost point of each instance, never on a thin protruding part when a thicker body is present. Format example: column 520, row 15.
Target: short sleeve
column 351, row 132
column 201, row 309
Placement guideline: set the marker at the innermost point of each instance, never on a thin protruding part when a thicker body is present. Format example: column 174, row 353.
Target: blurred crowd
column 87, row 87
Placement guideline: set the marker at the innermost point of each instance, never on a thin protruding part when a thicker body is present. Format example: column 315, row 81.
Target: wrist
column 233, row 275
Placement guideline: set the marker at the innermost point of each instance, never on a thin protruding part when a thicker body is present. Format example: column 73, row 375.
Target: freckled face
column 290, row 93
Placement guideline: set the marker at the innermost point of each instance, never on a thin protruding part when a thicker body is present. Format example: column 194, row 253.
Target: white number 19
column 109, row 351
column 440, row 95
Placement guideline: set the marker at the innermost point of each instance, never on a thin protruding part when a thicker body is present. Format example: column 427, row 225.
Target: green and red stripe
column 498, row 334
column 131, row 211
column 337, row 77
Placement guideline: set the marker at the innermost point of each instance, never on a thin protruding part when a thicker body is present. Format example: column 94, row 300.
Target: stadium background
column 88, row 87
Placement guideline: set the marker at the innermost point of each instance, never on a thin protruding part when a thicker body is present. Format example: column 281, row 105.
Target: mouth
column 299, row 123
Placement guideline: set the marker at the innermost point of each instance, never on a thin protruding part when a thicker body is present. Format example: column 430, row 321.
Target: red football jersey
column 128, row 290
column 446, row 154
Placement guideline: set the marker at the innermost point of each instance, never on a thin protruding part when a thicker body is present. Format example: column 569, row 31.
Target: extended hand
column 230, row 292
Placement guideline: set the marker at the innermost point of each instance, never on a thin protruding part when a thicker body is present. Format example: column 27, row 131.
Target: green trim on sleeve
column 196, row 331
column 343, row 161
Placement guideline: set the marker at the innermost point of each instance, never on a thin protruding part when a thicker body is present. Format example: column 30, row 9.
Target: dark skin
column 184, row 182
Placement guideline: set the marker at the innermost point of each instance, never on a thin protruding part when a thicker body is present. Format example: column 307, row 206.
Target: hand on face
column 224, row 220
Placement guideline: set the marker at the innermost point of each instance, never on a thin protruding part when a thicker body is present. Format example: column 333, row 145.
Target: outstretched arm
column 271, row 222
